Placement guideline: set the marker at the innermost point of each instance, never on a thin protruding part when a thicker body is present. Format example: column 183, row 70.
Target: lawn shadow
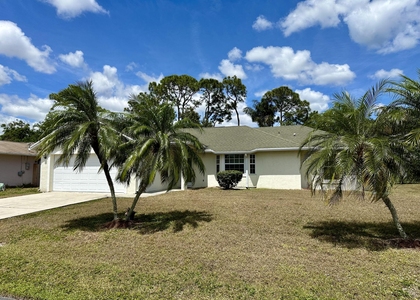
column 369, row 235
column 144, row 223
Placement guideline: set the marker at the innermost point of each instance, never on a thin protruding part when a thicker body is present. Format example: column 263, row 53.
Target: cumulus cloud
column 74, row 60
column 318, row 101
column 7, row 75
column 33, row 108
column 285, row 63
column 382, row 74
column 261, row 23
column 68, row 9
column 112, row 93
column 14, row 43
column 384, row 25
column 227, row 68
column 234, row 54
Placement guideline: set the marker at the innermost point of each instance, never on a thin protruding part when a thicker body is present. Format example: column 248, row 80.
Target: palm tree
column 359, row 151
column 406, row 107
column 158, row 145
column 76, row 124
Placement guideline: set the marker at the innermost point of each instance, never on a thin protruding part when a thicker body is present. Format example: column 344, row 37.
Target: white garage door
column 89, row 180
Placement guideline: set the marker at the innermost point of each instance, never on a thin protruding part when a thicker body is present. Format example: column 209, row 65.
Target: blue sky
column 316, row 47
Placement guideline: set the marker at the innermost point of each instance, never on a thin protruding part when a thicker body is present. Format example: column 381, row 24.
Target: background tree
column 280, row 105
column 158, row 145
column 19, row 131
column 262, row 112
column 235, row 93
column 212, row 96
column 289, row 108
column 359, row 152
column 76, row 124
column 178, row 90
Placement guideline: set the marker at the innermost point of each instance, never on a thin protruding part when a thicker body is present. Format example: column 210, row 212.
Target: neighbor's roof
column 16, row 148
column 242, row 139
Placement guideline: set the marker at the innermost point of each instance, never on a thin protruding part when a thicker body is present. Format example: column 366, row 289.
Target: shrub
column 228, row 179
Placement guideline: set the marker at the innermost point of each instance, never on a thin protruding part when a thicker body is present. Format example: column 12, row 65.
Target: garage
column 89, row 180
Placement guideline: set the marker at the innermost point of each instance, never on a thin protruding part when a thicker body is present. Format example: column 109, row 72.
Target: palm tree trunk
column 141, row 190
column 394, row 214
column 112, row 190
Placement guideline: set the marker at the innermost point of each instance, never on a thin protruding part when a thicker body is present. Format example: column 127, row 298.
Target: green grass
column 18, row 191
column 215, row 244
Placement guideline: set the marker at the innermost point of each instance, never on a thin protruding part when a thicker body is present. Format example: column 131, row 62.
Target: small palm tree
column 406, row 107
column 158, row 145
column 76, row 124
column 359, row 151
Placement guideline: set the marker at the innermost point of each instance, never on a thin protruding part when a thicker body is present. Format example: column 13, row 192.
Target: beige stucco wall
column 11, row 165
column 278, row 170
column 275, row 170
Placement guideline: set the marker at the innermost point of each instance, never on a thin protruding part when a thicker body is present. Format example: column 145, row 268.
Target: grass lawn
column 215, row 244
column 18, row 191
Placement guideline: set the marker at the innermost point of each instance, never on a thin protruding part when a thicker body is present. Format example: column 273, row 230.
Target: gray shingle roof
column 246, row 139
column 16, row 148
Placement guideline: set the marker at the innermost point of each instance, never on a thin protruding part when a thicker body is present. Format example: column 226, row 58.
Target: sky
column 315, row 47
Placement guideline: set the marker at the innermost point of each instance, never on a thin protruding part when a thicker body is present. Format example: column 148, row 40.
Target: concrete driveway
column 21, row 205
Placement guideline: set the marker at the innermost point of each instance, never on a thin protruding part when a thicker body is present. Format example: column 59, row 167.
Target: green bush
column 228, row 179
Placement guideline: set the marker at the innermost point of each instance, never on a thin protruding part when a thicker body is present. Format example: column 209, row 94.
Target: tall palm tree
column 359, row 151
column 76, row 124
column 158, row 145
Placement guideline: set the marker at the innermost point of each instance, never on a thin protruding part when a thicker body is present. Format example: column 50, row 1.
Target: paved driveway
column 21, row 205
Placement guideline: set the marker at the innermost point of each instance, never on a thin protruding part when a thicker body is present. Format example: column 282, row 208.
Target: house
column 18, row 165
column 269, row 158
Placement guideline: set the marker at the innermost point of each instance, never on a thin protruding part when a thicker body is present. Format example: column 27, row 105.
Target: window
column 217, row 163
column 252, row 164
column 234, row 162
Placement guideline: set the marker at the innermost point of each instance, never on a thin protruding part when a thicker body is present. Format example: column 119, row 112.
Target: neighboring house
column 267, row 156
column 18, row 165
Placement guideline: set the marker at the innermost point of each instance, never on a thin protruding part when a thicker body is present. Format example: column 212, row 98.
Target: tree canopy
column 19, row 131
column 280, row 105
column 358, row 155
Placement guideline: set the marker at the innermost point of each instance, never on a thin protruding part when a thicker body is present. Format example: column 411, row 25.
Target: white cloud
column 6, row 75
column 216, row 76
column 148, row 79
column 131, row 66
column 382, row 74
column 227, row 68
column 72, row 8
column 14, row 43
column 234, row 54
column 260, row 93
column 112, row 93
column 318, row 101
column 75, row 59
column 290, row 65
column 33, row 108
column 254, row 67
column 385, row 25
column 261, row 23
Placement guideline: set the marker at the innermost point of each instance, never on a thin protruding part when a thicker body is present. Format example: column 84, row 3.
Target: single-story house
column 269, row 158
column 18, row 165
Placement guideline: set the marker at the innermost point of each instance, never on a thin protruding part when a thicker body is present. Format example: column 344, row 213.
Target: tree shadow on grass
column 369, row 235
column 144, row 223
